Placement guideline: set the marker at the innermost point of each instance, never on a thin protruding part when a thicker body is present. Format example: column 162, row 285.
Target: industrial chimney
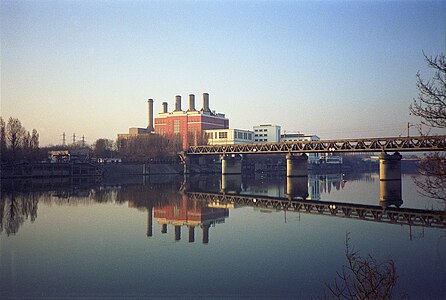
column 164, row 107
column 177, row 103
column 150, row 125
column 191, row 102
column 206, row 102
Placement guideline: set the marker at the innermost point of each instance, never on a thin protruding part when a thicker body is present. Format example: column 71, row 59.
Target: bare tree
column 430, row 104
column 15, row 134
column 363, row 277
column 433, row 181
column 3, row 148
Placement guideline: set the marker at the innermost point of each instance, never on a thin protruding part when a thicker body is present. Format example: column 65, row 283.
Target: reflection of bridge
column 402, row 216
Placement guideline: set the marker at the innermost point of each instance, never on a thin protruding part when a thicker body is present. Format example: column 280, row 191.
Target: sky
column 337, row 69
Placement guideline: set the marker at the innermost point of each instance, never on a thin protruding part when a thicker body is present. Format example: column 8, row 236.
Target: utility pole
column 83, row 141
column 74, row 138
column 63, row 139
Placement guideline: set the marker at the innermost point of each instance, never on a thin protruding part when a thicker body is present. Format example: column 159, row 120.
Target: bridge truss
column 400, row 144
column 402, row 216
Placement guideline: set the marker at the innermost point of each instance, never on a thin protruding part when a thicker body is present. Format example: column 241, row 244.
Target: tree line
column 16, row 143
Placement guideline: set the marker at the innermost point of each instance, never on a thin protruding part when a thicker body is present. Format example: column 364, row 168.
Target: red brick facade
column 183, row 123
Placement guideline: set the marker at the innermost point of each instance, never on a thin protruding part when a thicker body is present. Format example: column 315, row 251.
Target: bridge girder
column 400, row 144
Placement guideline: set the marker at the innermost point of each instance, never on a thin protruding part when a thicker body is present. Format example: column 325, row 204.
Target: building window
column 176, row 126
column 222, row 135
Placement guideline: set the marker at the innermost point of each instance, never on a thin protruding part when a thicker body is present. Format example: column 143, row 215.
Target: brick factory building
column 188, row 124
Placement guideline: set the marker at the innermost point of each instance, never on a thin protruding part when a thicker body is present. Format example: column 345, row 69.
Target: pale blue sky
column 335, row 69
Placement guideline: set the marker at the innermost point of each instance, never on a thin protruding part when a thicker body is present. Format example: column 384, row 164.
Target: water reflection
column 203, row 202
column 181, row 212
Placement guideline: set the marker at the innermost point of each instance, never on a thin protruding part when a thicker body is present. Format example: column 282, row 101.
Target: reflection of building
column 188, row 214
column 267, row 133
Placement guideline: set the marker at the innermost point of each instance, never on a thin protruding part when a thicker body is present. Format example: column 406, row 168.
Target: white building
column 266, row 133
column 300, row 137
column 229, row 136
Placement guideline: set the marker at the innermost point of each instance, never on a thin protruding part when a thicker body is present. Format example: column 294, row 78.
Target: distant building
column 300, row 137
column 229, row 136
column 297, row 137
column 134, row 132
column 266, row 133
column 57, row 156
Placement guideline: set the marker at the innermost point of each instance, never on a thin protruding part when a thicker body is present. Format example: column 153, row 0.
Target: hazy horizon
column 335, row 69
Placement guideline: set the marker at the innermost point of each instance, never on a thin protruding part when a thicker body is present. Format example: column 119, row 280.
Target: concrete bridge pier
column 390, row 187
column 231, row 183
column 205, row 235
column 297, row 187
column 296, row 165
column 390, row 193
column 191, row 233
column 150, row 221
column 231, row 164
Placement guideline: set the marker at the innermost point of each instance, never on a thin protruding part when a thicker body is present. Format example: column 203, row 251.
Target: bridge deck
column 401, row 144
column 402, row 216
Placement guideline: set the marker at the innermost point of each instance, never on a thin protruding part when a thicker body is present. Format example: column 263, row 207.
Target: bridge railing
column 401, row 144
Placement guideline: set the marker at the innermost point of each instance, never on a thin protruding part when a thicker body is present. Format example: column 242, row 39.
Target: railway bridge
column 297, row 159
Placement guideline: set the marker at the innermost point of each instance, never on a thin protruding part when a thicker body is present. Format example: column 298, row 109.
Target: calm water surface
column 151, row 237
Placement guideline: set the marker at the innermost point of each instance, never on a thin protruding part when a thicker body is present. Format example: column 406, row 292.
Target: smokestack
column 191, row 102
column 206, row 102
column 177, row 103
column 164, row 107
column 150, row 125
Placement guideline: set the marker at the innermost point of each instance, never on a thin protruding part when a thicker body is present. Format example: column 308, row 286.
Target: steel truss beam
column 401, row 144
column 402, row 216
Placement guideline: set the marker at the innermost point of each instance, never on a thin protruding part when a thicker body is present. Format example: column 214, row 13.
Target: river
column 161, row 236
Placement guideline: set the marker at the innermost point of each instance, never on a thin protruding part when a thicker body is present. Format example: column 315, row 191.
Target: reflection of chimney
column 191, row 234
column 164, row 228
column 177, row 103
column 177, row 232
column 191, row 102
column 149, row 222
column 150, row 125
column 164, row 107
column 205, row 228
column 206, row 102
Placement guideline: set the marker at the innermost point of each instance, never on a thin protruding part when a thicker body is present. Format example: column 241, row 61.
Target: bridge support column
column 191, row 233
column 390, row 188
column 231, row 183
column 297, row 187
column 296, row 165
column 149, row 221
column 205, row 237
column 231, row 164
